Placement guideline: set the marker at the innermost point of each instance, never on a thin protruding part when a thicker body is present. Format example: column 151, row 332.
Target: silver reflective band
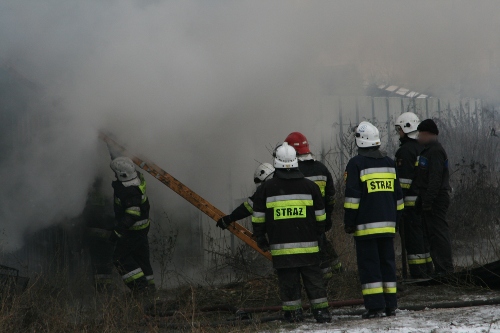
column 319, row 212
column 250, row 202
column 389, row 284
column 258, row 214
column 371, row 285
column 319, row 300
column 289, row 197
column 291, row 303
column 293, row 245
column 400, row 202
column 352, row 200
column 411, row 199
column 376, row 225
column 405, row 181
column 315, row 178
column 418, row 256
column 134, row 208
column 150, row 277
column 141, row 222
column 129, row 274
column 376, row 170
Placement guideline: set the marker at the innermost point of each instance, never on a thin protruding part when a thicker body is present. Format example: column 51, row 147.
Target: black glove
column 350, row 229
column 224, row 222
column 262, row 243
column 328, row 222
column 114, row 237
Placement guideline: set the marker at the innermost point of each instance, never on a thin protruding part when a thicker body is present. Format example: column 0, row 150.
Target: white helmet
column 263, row 172
column 408, row 122
column 367, row 135
column 124, row 168
column 285, row 157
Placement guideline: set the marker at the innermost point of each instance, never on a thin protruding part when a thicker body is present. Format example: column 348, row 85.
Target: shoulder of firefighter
column 319, row 174
column 406, row 165
column 373, row 197
column 292, row 213
column 131, row 205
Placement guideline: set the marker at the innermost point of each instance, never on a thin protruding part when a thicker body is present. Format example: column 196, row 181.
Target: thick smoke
column 201, row 87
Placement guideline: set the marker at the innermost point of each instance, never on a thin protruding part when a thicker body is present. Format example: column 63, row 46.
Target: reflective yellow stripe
column 133, row 211
column 372, row 291
column 380, row 185
column 248, row 207
column 390, row 290
column 375, row 228
column 286, row 203
column 321, row 218
column 405, row 186
column 133, row 275
column 378, row 176
column 140, row 225
column 351, row 203
column 322, row 187
column 401, row 206
column 290, row 212
column 301, row 250
column 389, row 287
column 258, row 217
column 417, row 261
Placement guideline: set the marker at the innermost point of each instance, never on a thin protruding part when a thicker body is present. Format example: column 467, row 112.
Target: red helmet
column 298, row 141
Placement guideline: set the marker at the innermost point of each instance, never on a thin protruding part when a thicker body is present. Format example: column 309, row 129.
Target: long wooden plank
column 196, row 200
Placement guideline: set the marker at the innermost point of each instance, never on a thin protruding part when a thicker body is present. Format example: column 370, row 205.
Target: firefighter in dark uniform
column 98, row 216
column 263, row 172
column 318, row 173
column 417, row 248
column 290, row 210
column 132, row 224
column 373, row 202
column 433, row 178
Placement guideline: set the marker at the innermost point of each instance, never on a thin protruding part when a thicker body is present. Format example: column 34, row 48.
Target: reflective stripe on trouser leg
column 150, row 279
column 389, row 287
column 103, row 278
column 292, row 305
column 132, row 276
column 319, row 303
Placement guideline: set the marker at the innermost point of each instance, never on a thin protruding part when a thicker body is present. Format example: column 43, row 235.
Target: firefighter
column 132, row 224
column 318, row 173
column 434, row 195
column 98, row 218
column 417, row 249
column 373, row 202
column 290, row 210
column 263, row 172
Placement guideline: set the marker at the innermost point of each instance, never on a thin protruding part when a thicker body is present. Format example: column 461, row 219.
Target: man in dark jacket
column 417, row 248
column 373, row 202
column 290, row 210
column 433, row 183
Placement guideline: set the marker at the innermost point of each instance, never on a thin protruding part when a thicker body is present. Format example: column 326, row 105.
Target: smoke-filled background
column 202, row 87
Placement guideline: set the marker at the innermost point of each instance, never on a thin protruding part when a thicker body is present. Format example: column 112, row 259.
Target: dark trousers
column 101, row 255
column 377, row 271
column 417, row 247
column 328, row 256
column 131, row 257
column 438, row 233
column 291, row 288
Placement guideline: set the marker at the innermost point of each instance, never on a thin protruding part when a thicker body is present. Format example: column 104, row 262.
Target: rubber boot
column 322, row 315
column 390, row 312
column 293, row 316
column 373, row 313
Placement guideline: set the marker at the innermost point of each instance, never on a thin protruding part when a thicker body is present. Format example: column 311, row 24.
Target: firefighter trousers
column 131, row 257
column 101, row 256
column 291, row 288
column 438, row 233
column 377, row 272
column 417, row 247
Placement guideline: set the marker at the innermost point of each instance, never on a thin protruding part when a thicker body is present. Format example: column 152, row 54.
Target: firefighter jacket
column 292, row 213
column 131, row 204
column 373, row 196
column 318, row 173
column 244, row 210
column 433, row 174
column 406, row 166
